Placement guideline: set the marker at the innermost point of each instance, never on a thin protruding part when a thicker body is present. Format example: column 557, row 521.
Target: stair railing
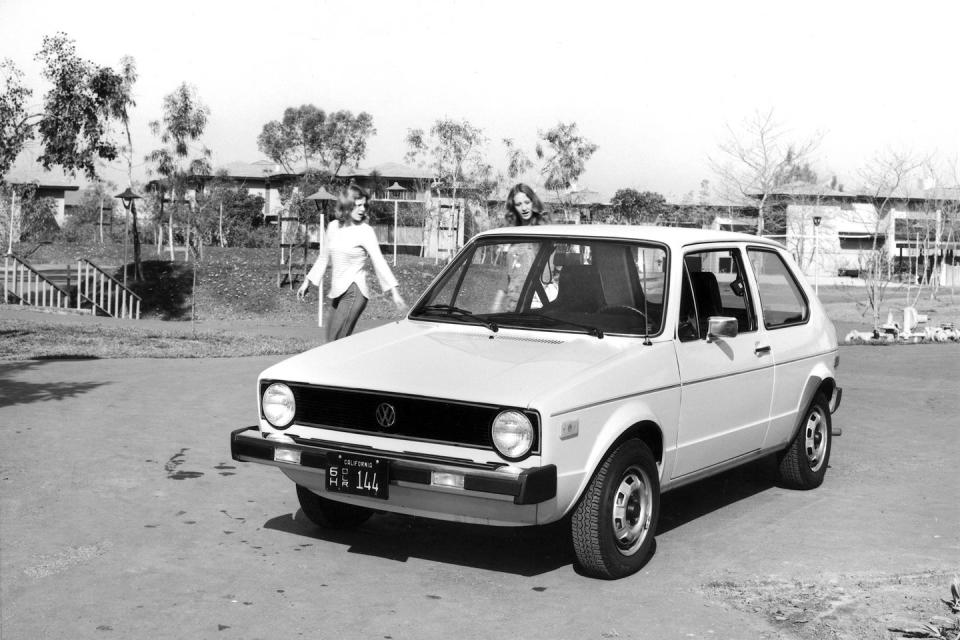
column 104, row 292
column 25, row 285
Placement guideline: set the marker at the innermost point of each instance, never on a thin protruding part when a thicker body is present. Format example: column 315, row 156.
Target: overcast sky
column 654, row 85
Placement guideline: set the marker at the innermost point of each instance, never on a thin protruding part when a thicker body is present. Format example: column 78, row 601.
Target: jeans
column 347, row 308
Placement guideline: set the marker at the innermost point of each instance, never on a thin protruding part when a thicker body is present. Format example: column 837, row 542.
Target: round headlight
column 278, row 405
column 512, row 434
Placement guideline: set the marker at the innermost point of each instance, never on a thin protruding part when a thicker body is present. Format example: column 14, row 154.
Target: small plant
column 938, row 627
column 954, row 603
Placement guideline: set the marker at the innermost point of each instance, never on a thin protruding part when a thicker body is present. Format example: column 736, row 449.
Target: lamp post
column 394, row 192
column 816, row 254
column 129, row 198
column 318, row 198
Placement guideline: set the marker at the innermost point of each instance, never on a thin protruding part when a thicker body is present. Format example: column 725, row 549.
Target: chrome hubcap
column 632, row 510
column 815, row 439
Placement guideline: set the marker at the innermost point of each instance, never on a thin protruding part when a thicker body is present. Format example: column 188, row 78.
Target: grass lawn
column 26, row 339
column 847, row 306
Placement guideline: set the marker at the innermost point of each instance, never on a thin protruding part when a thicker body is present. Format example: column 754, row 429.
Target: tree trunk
column 101, row 222
column 760, row 213
column 222, row 242
column 173, row 255
column 13, row 207
column 126, row 213
column 137, row 273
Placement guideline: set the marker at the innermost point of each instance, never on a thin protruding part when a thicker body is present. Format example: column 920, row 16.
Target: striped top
column 347, row 249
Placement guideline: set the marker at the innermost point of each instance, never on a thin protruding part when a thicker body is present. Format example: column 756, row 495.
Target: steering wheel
column 623, row 307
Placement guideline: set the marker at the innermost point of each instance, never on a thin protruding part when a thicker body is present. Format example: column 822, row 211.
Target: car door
column 726, row 383
column 794, row 335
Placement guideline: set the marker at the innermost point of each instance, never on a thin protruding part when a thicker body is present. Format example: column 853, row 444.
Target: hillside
column 232, row 283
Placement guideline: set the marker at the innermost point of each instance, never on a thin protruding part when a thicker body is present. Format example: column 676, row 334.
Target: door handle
column 758, row 350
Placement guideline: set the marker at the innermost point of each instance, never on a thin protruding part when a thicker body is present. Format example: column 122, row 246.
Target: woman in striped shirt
column 349, row 242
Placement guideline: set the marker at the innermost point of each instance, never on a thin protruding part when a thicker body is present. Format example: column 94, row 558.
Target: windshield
column 558, row 284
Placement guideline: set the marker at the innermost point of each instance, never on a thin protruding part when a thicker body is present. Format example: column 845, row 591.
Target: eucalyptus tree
column 345, row 138
column 564, row 155
column 319, row 140
column 296, row 137
column 73, row 121
column 183, row 122
column 450, row 149
column 518, row 162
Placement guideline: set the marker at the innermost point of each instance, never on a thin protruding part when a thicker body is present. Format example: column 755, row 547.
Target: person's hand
column 399, row 301
column 497, row 301
column 302, row 291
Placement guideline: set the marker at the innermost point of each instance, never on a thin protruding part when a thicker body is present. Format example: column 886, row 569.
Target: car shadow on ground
column 524, row 551
column 683, row 505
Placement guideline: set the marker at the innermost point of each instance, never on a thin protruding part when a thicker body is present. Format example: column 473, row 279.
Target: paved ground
column 122, row 515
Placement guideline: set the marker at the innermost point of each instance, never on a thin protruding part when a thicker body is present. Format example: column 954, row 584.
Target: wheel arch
column 820, row 380
column 643, row 426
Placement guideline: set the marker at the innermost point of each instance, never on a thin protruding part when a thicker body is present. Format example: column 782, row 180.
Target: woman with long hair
column 349, row 241
column 524, row 207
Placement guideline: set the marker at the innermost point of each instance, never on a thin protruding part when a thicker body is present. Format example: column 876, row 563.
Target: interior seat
column 579, row 289
column 706, row 293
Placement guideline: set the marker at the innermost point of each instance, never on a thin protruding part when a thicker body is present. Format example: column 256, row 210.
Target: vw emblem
column 386, row 415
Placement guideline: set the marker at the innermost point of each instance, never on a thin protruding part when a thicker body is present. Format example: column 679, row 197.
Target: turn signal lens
column 512, row 434
column 278, row 405
column 441, row 479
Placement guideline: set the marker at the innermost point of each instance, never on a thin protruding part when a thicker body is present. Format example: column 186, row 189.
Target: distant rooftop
column 258, row 169
column 268, row 168
column 581, row 197
column 809, row 190
column 26, row 170
column 387, row 170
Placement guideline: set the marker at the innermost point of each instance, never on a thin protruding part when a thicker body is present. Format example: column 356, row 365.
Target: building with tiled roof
column 51, row 183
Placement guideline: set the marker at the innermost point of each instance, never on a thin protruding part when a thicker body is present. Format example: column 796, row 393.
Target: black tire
column 804, row 463
column 329, row 513
column 628, row 477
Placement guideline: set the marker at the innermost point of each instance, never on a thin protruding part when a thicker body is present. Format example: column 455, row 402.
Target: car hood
column 463, row 362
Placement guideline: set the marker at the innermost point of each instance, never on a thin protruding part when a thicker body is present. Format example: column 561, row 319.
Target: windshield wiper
column 451, row 311
column 521, row 317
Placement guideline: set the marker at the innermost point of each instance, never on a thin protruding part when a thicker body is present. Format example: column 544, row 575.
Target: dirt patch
column 839, row 607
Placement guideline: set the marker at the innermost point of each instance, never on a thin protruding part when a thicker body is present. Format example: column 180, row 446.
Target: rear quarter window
column 781, row 300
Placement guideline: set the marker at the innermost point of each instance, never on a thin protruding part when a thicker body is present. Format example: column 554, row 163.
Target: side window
column 713, row 285
column 781, row 300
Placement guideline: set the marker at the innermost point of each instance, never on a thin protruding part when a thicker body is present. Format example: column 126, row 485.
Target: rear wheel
column 804, row 463
column 329, row 513
column 613, row 525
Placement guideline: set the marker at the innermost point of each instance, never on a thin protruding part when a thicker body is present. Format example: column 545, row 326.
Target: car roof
column 672, row 236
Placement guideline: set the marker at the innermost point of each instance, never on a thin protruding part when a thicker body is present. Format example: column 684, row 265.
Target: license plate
column 358, row 475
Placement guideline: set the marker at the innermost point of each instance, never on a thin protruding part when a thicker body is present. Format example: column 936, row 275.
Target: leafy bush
column 253, row 238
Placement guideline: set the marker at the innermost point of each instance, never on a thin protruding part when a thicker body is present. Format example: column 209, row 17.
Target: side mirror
column 721, row 327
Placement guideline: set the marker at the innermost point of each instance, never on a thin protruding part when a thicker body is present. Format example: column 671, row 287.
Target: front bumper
column 529, row 487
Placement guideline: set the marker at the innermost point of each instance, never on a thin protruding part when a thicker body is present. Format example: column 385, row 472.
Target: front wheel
column 804, row 463
column 613, row 525
column 329, row 513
